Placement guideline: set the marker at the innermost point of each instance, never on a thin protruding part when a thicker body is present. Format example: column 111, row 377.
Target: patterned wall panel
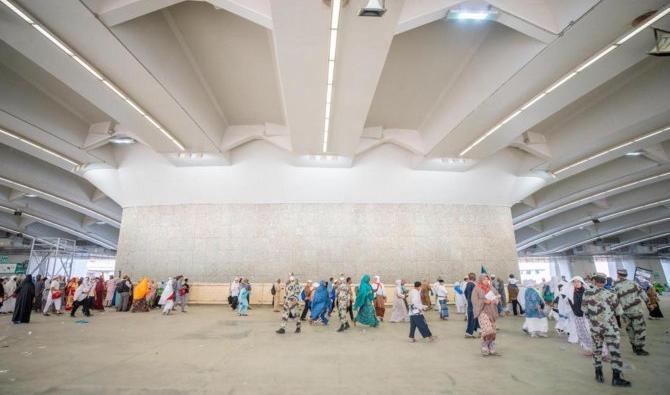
column 213, row 243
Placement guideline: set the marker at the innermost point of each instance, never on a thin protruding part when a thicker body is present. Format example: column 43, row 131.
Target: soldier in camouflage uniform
column 343, row 299
column 633, row 300
column 601, row 306
column 291, row 305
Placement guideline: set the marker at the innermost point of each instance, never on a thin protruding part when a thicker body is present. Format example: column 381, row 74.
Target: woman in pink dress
column 110, row 286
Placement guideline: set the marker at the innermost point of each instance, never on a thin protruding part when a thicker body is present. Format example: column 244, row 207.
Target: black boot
column 297, row 330
column 639, row 351
column 599, row 374
column 341, row 329
column 346, row 325
column 281, row 331
column 618, row 381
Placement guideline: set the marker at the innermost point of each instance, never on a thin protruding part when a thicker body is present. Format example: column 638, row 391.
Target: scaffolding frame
column 52, row 256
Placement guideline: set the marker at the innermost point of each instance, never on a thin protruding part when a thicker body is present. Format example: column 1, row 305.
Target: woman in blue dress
column 243, row 301
column 320, row 304
column 536, row 323
column 364, row 303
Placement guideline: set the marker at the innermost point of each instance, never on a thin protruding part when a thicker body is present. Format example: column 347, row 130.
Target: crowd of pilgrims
column 588, row 311
column 56, row 295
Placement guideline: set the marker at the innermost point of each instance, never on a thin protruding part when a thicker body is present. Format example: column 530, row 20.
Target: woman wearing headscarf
column 140, row 293
column 563, row 308
column 380, row 297
column 151, row 296
column 485, row 300
column 400, row 310
column 70, row 289
column 110, row 286
column 24, row 301
column 578, row 322
column 460, row 298
column 243, row 299
column 653, row 306
column 233, row 298
column 167, row 297
column 99, row 303
column 10, row 298
column 277, row 296
column 536, row 322
column 320, row 303
column 365, row 312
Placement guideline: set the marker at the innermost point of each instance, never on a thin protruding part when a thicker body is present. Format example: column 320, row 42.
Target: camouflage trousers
column 342, row 312
column 612, row 342
column 636, row 328
column 290, row 312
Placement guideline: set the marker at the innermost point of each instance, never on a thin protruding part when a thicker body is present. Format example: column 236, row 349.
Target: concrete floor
column 212, row 350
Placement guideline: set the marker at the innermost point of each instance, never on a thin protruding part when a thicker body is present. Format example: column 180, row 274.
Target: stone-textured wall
column 213, row 243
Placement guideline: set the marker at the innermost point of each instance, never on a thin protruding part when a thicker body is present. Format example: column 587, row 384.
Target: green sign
column 13, row 268
column 4, row 259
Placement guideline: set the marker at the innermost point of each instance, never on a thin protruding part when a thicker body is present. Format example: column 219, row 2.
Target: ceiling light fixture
column 332, row 50
column 90, row 69
column 612, row 233
column 30, row 195
column 634, row 153
column 588, row 198
column 38, row 192
column 39, row 147
column 620, row 245
column 122, row 140
column 583, row 66
column 374, row 8
column 612, row 149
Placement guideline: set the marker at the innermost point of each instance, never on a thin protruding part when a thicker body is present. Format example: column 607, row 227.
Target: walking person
column 365, row 312
column 123, row 288
column 243, row 302
column 277, row 292
column 343, row 302
column 233, row 297
column 10, row 296
column 53, row 297
column 485, row 301
column 416, row 318
column 320, row 303
column 291, row 305
column 167, row 297
column 25, row 293
column 39, row 288
column 400, row 312
column 380, row 298
column 110, row 286
column 654, row 307
column 536, row 322
column 307, row 297
column 460, row 298
column 80, row 296
column 513, row 293
column 633, row 302
column 183, row 294
column 579, row 327
column 472, row 324
column 441, row 293
column 602, row 306
column 352, row 297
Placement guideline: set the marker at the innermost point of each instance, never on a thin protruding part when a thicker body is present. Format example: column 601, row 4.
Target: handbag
column 56, row 294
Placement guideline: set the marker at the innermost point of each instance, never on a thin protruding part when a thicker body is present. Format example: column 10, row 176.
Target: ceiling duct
column 374, row 8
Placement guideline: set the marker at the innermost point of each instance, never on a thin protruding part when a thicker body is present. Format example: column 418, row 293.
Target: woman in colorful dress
column 399, row 312
column 380, row 297
column 364, row 303
column 110, row 286
column 140, row 292
column 151, row 296
column 536, row 322
column 167, row 297
column 320, row 303
column 485, row 300
column 99, row 298
column 70, row 289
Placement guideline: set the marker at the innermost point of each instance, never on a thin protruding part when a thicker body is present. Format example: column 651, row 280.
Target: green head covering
column 364, row 289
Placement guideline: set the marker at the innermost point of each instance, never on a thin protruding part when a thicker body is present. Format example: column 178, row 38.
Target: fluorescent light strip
column 94, row 214
column 645, row 25
column 612, row 149
column 570, row 75
column 585, row 199
column 617, row 246
column 612, row 233
column 332, row 51
column 633, row 209
column 48, row 151
column 86, row 66
column 16, row 232
column 70, row 231
column 587, row 223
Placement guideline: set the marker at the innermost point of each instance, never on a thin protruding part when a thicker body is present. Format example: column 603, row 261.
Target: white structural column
column 301, row 35
column 363, row 43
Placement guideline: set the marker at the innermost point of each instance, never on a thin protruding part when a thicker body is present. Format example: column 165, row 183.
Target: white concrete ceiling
column 412, row 90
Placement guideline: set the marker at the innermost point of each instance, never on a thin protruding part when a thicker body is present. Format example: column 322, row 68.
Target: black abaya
column 24, row 301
